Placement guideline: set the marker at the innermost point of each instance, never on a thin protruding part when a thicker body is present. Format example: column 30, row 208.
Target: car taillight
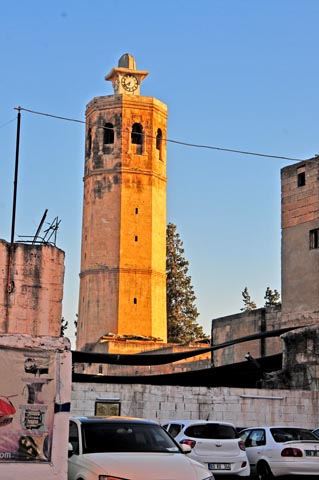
column 291, row 452
column 241, row 445
column 186, row 441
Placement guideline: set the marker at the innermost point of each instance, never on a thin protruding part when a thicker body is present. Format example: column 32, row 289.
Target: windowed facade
column 314, row 239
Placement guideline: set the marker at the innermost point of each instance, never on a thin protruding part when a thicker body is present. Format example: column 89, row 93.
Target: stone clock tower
column 123, row 256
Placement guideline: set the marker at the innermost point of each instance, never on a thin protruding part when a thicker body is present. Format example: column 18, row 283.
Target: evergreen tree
column 76, row 324
column 272, row 297
column 181, row 309
column 248, row 302
column 63, row 326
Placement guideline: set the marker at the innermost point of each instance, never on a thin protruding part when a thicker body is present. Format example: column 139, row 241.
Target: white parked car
column 276, row 451
column 215, row 444
column 124, row 448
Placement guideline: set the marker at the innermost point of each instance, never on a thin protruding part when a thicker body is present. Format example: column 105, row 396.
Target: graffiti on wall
column 27, row 396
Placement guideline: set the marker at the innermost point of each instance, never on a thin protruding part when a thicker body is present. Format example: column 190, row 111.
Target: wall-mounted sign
column 107, row 406
column 27, row 397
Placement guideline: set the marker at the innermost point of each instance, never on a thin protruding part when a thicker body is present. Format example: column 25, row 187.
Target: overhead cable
column 185, row 144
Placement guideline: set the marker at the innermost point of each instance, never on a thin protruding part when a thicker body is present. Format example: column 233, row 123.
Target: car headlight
column 110, row 477
column 211, row 477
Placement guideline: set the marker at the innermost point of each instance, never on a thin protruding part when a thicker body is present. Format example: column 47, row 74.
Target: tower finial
column 127, row 61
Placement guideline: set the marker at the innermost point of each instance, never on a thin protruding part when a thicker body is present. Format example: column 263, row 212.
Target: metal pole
column 15, row 184
column 10, row 282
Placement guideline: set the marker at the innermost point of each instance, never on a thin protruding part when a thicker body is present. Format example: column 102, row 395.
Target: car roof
column 186, row 423
column 112, row 419
column 274, row 426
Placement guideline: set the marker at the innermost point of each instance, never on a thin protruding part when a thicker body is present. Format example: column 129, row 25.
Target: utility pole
column 10, row 282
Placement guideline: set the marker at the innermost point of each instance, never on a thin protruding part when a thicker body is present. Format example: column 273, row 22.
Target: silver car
column 215, row 444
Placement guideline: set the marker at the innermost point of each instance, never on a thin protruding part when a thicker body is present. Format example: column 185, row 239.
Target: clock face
column 129, row 83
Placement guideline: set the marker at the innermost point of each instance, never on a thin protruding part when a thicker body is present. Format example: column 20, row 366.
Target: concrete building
column 32, row 288
column 36, row 363
column 123, row 256
column 299, row 267
column 300, row 237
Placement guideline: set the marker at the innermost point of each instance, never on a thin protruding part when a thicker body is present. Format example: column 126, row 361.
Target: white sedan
column 275, row 451
column 216, row 445
column 125, row 448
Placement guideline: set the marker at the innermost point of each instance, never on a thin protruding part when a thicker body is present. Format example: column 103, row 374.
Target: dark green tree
column 272, row 297
column 63, row 326
column 248, row 302
column 182, row 313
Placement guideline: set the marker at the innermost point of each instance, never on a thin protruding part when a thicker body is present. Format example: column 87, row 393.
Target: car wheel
column 264, row 472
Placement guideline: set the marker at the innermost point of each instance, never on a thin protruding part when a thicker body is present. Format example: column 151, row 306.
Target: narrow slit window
column 108, row 134
column 159, row 138
column 314, row 239
column 136, row 238
column 301, row 176
column 89, row 141
column 301, row 179
column 135, row 301
column 137, row 134
column 136, row 210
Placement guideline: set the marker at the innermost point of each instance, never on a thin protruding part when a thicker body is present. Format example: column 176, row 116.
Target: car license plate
column 219, row 466
column 312, row 453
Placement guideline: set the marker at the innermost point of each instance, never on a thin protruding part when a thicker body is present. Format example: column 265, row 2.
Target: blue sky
column 238, row 74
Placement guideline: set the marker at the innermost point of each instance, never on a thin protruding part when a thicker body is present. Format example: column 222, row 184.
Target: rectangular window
column 314, row 238
column 301, row 176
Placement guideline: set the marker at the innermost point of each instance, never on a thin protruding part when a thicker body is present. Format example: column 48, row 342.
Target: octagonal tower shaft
column 123, row 255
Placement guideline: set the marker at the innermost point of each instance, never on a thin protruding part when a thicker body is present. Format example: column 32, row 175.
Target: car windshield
column 211, row 431
column 281, row 435
column 126, row 437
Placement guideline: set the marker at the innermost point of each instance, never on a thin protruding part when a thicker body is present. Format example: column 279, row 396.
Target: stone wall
column 256, row 321
column 240, row 325
column 243, row 407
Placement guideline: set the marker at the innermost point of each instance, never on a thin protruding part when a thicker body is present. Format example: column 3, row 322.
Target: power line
column 7, row 123
column 185, row 144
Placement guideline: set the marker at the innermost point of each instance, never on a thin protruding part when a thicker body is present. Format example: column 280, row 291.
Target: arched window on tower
column 159, row 139
column 108, row 137
column 137, row 137
column 108, row 134
column 89, row 142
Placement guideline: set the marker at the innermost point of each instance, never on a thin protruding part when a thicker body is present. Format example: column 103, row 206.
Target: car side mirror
column 185, row 448
column 70, row 450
